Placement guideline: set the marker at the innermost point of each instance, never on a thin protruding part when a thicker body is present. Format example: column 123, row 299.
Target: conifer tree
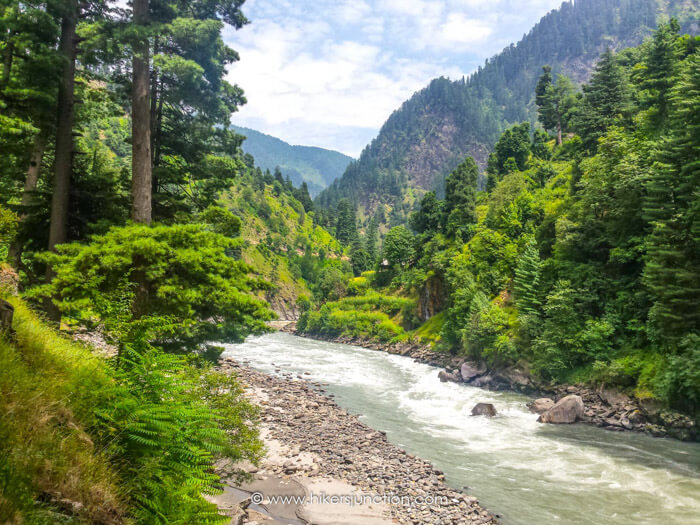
column 672, row 271
column 527, row 278
column 372, row 238
column 346, row 223
column 429, row 217
column 460, row 199
column 305, row 198
column 554, row 102
column 659, row 72
column 606, row 100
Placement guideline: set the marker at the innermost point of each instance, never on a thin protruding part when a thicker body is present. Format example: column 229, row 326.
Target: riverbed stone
column 446, row 376
column 541, row 405
column 470, row 371
column 567, row 410
column 343, row 448
column 484, row 409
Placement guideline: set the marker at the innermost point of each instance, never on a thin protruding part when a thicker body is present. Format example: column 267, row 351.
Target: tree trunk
column 14, row 255
column 559, row 138
column 63, row 158
column 141, row 170
column 6, row 313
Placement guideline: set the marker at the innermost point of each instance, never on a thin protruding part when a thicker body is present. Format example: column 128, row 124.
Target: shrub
column 182, row 272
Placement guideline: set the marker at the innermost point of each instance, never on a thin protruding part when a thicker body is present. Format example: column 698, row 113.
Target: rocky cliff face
column 432, row 298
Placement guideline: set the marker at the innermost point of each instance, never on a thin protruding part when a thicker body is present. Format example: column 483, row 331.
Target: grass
column 429, row 332
column 49, row 388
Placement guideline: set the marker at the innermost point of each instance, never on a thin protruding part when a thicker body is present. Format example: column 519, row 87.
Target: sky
column 329, row 73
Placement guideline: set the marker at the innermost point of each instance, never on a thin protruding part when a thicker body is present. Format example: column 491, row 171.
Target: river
column 526, row 472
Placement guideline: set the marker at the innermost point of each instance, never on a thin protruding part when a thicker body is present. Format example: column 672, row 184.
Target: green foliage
column 555, row 102
column 527, row 280
column 360, row 258
column 606, row 100
column 513, row 144
column 167, row 424
column 583, row 258
column 366, row 317
column 672, row 206
column 346, row 223
column 429, row 218
column 332, row 283
column 460, row 200
column 8, row 228
column 130, row 440
column 398, row 247
column 188, row 277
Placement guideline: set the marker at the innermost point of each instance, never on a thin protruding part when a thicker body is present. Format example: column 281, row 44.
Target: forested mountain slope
column 426, row 138
column 317, row 167
column 281, row 239
column 579, row 263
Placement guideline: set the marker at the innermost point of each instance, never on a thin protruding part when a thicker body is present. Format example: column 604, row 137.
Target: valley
column 490, row 315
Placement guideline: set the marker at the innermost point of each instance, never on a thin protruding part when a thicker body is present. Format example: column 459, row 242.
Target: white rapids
column 524, row 471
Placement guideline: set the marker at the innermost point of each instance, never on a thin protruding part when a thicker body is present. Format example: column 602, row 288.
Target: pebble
column 308, row 421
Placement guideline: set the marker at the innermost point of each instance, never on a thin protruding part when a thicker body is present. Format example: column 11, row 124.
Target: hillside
column 317, row 167
column 578, row 264
column 425, row 139
column 278, row 232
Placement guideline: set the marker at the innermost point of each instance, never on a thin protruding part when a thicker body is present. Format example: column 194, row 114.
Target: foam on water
column 530, row 473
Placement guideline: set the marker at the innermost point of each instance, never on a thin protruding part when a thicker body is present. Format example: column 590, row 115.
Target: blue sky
column 328, row 73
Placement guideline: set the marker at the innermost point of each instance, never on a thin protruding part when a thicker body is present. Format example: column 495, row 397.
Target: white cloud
column 329, row 72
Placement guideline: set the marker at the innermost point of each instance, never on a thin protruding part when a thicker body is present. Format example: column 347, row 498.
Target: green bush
column 183, row 272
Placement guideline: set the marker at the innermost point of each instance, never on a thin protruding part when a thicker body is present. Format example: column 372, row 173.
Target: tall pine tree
column 672, row 271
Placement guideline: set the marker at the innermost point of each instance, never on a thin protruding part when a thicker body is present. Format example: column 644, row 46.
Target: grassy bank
column 85, row 440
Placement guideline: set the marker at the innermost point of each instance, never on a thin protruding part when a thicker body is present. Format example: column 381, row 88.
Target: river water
column 526, row 472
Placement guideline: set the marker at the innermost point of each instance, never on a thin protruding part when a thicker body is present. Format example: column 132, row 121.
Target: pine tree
column 527, row 278
column 554, row 102
column 460, row 200
column 606, row 101
column 346, row 223
column 304, row 197
column 429, row 217
column 672, row 271
column 372, row 238
column 659, row 72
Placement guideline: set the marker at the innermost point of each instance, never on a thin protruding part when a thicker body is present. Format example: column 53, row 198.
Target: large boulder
column 484, row 409
column 470, row 371
column 541, row 405
column 446, row 376
column 567, row 410
column 482, row 381
column 517, row 378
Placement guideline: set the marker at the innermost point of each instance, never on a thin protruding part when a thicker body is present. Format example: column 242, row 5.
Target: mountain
column 439, row 126
column 317, row 167
column 278, row 234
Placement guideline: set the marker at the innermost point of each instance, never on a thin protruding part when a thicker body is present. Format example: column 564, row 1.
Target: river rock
column 613, row 397
column 541, row 405
column 516, row 378
column 483, row 381
column 567, row 410
column 453, row 377
column 484, row 409
column 469, row 371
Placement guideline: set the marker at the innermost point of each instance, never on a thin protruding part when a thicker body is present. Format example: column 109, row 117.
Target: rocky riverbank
column 604, row 407
column 324, row 444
